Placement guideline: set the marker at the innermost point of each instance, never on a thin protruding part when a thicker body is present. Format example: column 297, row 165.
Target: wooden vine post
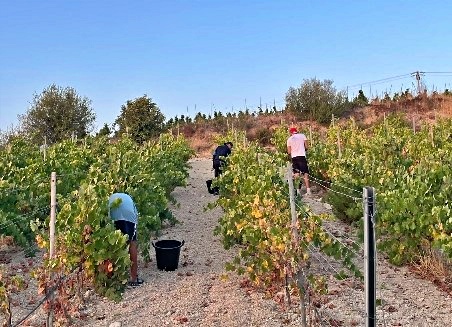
column 301, row 279
column 432, row 136
column 311, row 141
column 51, row 241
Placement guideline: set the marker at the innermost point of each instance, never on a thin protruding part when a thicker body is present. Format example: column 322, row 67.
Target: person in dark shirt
column 218, row 162
column 218, row 159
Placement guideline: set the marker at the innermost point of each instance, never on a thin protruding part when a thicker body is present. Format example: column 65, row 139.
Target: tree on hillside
column 169, row 123
column 141, row 118
column 199, row 118
column 360, row 100
column 104, row 131
column 57, row 114
column 316, row 100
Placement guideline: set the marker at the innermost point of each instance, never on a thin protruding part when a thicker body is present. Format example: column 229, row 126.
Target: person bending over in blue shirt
column 123, row 212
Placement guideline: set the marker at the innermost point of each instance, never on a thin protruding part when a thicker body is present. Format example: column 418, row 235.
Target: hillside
column 417, row 110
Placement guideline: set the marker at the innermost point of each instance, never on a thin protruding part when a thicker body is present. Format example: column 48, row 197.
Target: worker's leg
column 306, row 182
column 133, row 251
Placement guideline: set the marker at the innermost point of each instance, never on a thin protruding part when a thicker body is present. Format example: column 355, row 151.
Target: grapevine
column 254, row 197
column 87, row 173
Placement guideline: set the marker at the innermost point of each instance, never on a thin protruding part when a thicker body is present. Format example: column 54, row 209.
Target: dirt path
column 195, row 294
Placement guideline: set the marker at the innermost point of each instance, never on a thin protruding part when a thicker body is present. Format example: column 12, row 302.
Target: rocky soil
column 200, row 293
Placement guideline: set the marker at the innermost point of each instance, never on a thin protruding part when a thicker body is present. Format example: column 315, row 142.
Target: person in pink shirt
column 297, row 144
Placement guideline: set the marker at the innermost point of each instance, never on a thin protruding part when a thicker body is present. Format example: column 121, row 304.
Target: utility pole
column 417, row 75
column 418, row 79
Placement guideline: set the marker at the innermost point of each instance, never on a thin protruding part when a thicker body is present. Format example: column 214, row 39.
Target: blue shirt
column 124, row 210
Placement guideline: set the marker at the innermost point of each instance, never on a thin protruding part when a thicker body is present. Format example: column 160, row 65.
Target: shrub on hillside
column 316, row 100
column 263, row 136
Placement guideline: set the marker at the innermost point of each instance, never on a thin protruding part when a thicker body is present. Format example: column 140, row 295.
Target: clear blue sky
column 213, row 54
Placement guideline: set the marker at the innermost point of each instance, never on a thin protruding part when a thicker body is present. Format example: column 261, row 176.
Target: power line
column 437, row 72
column 380, row 80
column 416, row 74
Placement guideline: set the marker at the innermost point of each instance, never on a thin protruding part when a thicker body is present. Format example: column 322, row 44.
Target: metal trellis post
column 370, row 255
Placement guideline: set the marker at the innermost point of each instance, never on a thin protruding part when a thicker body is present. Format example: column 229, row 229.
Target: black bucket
column 167, row 253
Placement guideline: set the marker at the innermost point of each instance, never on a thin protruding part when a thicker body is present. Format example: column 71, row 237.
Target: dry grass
column 436, row 267
column 203, row 146
column 422, row 109
column 6, row 241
